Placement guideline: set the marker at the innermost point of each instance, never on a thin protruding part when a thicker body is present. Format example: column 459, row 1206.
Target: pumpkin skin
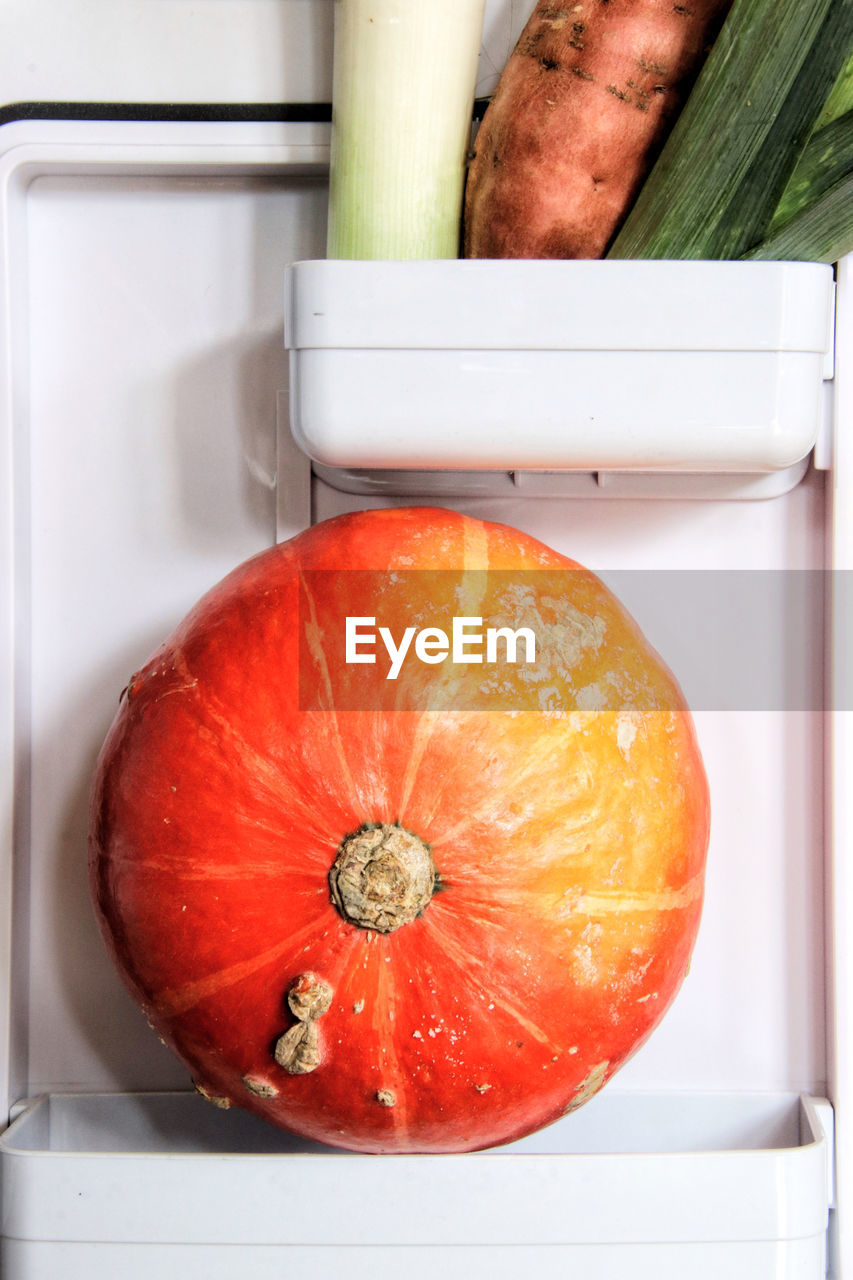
column 568, row 834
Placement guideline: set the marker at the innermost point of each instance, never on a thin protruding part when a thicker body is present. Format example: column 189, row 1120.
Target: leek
column 752, row 207
column 715, row 185
column 840, row 101
column 822, row 231
column 403, row 89
column 825, row 160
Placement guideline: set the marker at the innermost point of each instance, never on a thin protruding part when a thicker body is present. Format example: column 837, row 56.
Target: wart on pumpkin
column 299, row 1049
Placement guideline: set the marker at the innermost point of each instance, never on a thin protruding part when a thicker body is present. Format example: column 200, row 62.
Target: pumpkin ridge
column 393, row 1088
column 566, row 904
column 475, row 545
column 313, row 639
column 617, row 901
column 424, row 730
column 264, row 771
column 513, row 781
column 277, row 781
column 176, row 864
column 470, row 965
column 172, row 1002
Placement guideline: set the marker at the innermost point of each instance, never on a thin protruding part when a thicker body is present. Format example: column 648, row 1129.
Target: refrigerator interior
column 146, row 451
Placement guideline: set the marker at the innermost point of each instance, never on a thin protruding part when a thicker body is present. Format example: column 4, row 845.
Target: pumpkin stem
column 382, row 878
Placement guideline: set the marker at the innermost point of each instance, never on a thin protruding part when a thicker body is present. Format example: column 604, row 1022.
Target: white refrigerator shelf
column 694, row 1185
column 144, row 375
column 521, row 365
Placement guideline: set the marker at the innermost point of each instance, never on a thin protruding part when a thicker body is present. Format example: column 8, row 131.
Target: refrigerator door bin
column 694, row 1184
column 641, row 365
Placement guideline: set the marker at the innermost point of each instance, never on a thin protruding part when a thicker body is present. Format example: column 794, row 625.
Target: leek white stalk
column 402, row 98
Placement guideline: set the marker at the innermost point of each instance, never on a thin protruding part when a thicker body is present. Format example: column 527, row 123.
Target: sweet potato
column 581, row 111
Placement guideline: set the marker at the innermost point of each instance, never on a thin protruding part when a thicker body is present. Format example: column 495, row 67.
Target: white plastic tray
column 693, row 1186
column 144, row 373
column 650, row 366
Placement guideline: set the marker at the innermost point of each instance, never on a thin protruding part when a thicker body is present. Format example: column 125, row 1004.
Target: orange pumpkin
column 427, row 913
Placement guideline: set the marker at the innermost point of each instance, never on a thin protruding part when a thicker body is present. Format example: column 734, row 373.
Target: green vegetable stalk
column 744, row 172
column 402, row 103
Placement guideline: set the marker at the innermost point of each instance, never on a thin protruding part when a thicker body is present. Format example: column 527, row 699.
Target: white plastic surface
column 759, row 1260
column 441, row 483
column 650, row 366
column 129, row 428
column 144, row 374
column 515, row 305
column 750, row 1173
column 173, row 51
column 840, row 760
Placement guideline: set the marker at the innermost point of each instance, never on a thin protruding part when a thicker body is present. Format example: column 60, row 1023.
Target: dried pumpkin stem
column 382, row 878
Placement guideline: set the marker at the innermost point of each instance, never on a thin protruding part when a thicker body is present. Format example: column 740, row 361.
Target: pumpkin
column 427, row 913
